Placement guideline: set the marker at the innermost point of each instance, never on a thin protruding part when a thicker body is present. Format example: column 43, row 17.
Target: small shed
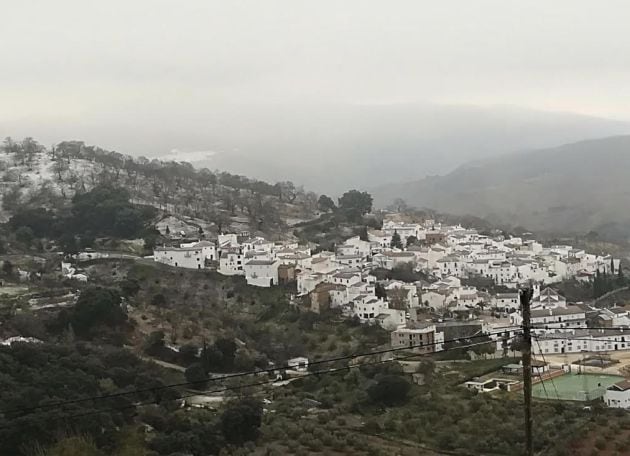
column 299, row 364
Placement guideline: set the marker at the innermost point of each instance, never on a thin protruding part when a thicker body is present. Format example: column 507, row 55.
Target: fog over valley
column 330, row 147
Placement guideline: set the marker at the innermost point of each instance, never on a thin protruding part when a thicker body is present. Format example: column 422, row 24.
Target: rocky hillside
column 35, row 176
column 574, row 188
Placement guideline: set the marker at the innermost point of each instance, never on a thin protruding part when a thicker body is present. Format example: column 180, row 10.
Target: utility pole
column 526, row 298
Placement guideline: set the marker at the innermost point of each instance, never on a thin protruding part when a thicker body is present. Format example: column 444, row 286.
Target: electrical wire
column 237, row 375
column 238, row 387
column 541, row 379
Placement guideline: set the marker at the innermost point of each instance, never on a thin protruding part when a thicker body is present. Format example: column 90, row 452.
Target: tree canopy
column 106, row 210
column 241, row 421
column 96, row 306
column 396, row 241
column 354, row 200
column 389, row 390
column 326, row 204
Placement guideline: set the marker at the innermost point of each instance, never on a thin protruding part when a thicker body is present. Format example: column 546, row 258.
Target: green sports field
column 575, row 387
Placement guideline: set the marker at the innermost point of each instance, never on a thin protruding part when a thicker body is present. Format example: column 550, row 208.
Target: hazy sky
column 102, row 60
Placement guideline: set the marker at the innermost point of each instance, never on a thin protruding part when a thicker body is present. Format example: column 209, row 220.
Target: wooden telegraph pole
column 526, row 298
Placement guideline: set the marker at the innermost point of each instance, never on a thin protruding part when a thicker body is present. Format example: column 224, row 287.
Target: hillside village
column 447, row 256
column 208, row 275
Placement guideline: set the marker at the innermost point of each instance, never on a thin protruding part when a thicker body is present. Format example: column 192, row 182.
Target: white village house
column 181, row 257
column 618, row 395
column 261, row 273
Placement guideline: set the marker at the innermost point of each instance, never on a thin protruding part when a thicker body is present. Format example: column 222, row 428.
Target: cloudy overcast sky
column 71, row 58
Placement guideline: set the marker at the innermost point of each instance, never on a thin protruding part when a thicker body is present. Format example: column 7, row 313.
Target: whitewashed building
column 307, row 281
column 418, row 337
column 506, row 302
column 380, row 241
column 367, row 308
column 579, row 340
column 231, row 261
column 208, row 249
column 618, row 395
column 187, row 257
column 261, row 273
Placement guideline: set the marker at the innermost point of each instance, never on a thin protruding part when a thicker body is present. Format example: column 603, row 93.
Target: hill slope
column 32, row 176
column 573, row 188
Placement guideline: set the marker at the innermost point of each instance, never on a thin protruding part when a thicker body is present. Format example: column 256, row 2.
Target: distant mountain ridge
column 574, row 188
column 328, row 147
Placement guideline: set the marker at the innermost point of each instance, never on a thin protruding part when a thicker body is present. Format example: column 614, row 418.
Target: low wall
column 537, row 379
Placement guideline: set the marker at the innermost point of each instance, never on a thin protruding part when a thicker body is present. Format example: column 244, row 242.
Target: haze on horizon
column 275, row 88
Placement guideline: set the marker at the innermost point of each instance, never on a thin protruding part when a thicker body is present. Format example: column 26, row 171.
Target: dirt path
column 162, row 363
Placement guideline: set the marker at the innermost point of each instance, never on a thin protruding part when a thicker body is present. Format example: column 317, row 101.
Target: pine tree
column 621, row 279
column 597, row 285
column 379, row 291
column 363, row 234
column 396, row 241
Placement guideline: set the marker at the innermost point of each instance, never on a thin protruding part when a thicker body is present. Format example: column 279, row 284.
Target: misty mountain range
column 393, row 150
column 574, row 188
column 328, row 148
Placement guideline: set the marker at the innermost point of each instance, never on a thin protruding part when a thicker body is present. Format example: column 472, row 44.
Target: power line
column 541, row 379
column 237, row 387
column 546, row 327
column 237, row 375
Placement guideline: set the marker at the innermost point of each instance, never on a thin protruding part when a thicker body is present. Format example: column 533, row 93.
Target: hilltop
column 573, row 189
column 37, row 177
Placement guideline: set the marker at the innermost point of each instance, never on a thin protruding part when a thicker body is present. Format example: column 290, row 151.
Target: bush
column 96, row 306
column 372, row 427
column 389, row 390
column 196, row 374
column 241, row 421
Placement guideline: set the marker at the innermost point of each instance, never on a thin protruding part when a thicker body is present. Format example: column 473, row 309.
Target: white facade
column 547, row 299
column 307, row 281
column 231, row 262
column 434, row 299
column 355, row 261
column 618, row 395
column 208, row 249
column 299, row 364
column 418, row 337
column 344, row 278
column 258, row 244
column 189, row 257
column 577, row 341
column 452, row 265
column 227, row 240
column 390, row 319
column 261, row 273
column 506, row 302
column 369, row 307
column 380, row 240
column 355, row 246
column 404, row 230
